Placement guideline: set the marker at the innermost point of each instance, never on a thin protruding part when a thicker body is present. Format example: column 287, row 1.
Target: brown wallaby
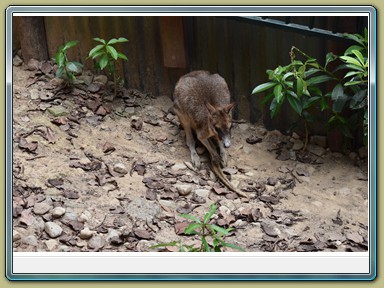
column 202, row 103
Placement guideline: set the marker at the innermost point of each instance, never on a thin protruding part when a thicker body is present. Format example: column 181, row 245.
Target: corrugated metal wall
column 240, row 51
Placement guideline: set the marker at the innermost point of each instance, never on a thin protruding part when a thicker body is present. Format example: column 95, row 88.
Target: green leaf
column 329, row 58
column 339, row 98
column 289, row 74
column 311, row 101
column 359, row 56
column 263, row 87
column 103, row 61
column 72, row 67
column 173, row 243
column 100, row 40
column 112, row 51
column 205, row 244
column 278, row 94
column 122, row 56
column 190, row 217
column 299, row 87
column 98, row 54
column 208, row 215
column 95, row 50
column 354, row 67
column 266, row 98
column 191, row 228
column 359, row 100
column 351, row 83
column 60, row 59
column 70, row 44
column 310, row 72
column 233, row 246
column 274, row 107
column 351, row 48
column 295, row 104
column 318, row 79
column 324, row 104
column 351, row 60
column 59, row 72
column 352, row 73
column 355, row 37
column 114, row 40
column 314, row 90
column 218, row 229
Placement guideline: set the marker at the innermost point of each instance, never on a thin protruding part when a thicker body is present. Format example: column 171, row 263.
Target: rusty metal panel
column 172, row 41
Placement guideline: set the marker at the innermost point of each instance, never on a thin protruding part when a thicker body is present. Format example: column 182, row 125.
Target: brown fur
column 202, row 103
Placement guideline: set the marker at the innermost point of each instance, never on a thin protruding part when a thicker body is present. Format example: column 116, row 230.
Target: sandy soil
column 111, row 176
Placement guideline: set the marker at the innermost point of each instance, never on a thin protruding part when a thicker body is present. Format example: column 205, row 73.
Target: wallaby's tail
column 219, row 173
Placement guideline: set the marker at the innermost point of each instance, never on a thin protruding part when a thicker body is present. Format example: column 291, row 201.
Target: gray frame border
column 196, row 9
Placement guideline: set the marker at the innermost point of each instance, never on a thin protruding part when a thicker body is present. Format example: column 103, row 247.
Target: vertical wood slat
column 172, row 42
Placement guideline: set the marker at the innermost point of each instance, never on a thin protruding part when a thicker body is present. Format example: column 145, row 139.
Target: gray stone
column 35, row 94
column 86, row 233
column 319, row 140
column 102, row 79
column 202, row 193
column 53, row 229
column 144, row 209
column 56, row 82
column 120, row 168
column 184, row 189
column 297, row 145
column 16, row 236
column 363, row 152
column 33, row 64
column 41, row 208
column 30, row 240
column 112, row 233
column 51, row 244
column 269, row 189
column 57, row 111
column 17, row 61
column 58, row 212
column 317, row 204
column 96, row 242
column 353, row 156
column 345, row 191
column 178, row 166
column 243, row 126
column 317, row 150
column 224, row 210
column 129, row 110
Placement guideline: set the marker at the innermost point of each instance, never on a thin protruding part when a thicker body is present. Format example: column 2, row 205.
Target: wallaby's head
column 220, row 121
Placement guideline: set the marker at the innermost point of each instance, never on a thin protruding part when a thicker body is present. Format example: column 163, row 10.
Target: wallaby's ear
column 210, row 108
column 229, row 107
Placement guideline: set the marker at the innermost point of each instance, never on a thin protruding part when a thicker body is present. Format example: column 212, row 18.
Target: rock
column 120, row 168
column 243, row 126
column 142, row 209
column 46, row 68
column 41, row 208
column 30, row 240
column 235, row 183
column 87, row 78
column 269, row 189
column 33, row 65
column 86, row 233
column 228, row 203
column 34, row 94
column 184, row 189
column 16, row 236
column 57, row 111
column 85, row 216
column 271, row 181
column 94, row 87
column 178, row 166
column 202, row 193
column 112, row 234
column 295, row 135
column 240, row 223
column 317, row 150
column 53, row 229
column 317, row 204
column 58, row 212
column 353, row 156
column 345, row 191
column 297, row 145
column 56, row 82
column 319, row 140
column 101, row 79
column 51, row 244
column 96, row 242
column 17, row 61
column 129, row 110
column 363, row 152
column 224, row 210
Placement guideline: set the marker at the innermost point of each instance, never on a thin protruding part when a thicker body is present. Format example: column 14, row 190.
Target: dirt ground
column 95, row 175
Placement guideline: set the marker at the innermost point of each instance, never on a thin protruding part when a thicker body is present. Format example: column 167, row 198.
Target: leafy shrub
column 67, row 69
column 299, row 84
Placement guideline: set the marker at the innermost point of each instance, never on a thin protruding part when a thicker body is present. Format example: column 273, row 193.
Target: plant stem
column 306, row 135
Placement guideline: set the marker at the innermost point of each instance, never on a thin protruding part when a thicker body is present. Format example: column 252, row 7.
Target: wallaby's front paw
column 196, row 160
column 223, row 160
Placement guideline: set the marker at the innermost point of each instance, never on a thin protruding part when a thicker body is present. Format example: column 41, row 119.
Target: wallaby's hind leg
column 192, row 146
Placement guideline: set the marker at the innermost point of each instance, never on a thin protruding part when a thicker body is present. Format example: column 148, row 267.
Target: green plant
column 67, row 69
column 108, row 57
column 204, row 230
column 298, row 82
